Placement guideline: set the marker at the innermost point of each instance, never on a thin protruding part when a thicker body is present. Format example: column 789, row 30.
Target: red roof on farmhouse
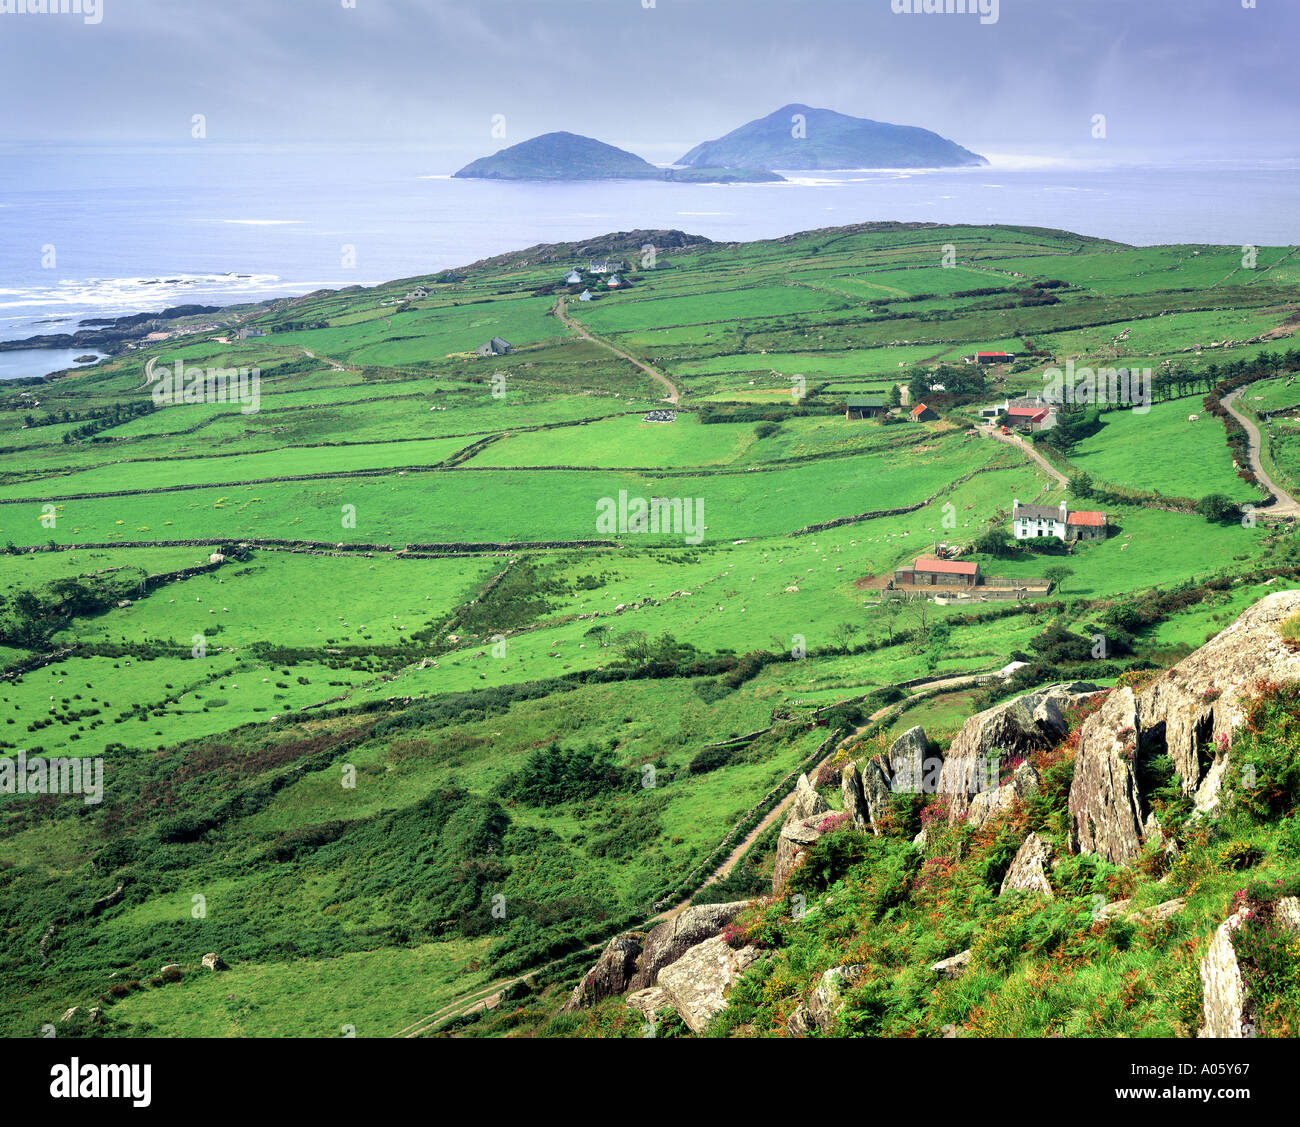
column 1083, row 516
column 920, row 407
column 1035, row 413
column 992, row 354
column 945, row 567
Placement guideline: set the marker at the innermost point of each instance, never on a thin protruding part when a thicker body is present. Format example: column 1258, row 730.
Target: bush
column 710, row 759
column 553, row 775
column 828, row 859
column 1217, row 509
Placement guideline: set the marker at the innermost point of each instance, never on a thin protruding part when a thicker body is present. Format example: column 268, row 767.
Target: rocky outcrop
column 1227, row 1010
column 1224, row 1010
column 801, row 829
column 213, row 961
column 876, row 791
column 855, row 803
column 1287, row 913
column 1028, row 872
column 867, row 792
column 954, row 966
column 807, row 801
column 992, row 803
column 649, row 1001
column 792, row 843
column 669, row 941
column 1198, row 704
column 698, row 983
column 1106, row 814
column 1157, row 914
column 825, row 1002
column 912, row 769
column 1190, row 713
column 1032, row 722
column 611, row 975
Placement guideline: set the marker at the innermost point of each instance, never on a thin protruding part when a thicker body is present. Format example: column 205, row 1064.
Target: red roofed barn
column 932, row 572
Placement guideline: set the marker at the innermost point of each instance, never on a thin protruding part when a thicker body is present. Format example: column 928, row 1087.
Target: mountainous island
column 828, row 140
column 569, row 156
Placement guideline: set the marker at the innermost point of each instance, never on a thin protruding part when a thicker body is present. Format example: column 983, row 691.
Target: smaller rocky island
column 569, row 156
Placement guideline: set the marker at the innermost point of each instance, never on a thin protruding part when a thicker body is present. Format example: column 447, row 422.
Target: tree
column 635, row 647
column 1057, row 574
column 1081, row 484
column 1216, row 508
column 843, row 635
column 919, row 612
column 895, row 396
column 890, row 609
column 993, row 542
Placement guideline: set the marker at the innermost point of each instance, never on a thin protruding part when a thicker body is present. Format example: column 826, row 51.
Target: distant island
column 798, row 137
column 569, row 156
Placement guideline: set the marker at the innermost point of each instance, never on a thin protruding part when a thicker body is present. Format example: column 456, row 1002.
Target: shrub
column 1217, row 509
column 554, row 775
column 710, row 759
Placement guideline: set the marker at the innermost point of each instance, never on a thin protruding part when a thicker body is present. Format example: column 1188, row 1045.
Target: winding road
column 582, row 331
column 1283, row 504
column 1028, row 451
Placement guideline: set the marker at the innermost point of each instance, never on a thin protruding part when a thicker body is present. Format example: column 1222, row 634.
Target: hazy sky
column 1185, row 77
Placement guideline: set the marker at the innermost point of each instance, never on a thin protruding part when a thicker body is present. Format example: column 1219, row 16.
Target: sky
column 1174, row 78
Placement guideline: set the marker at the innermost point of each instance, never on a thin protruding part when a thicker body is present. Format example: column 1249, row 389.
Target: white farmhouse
column 1028, row 521
column 1038, row 520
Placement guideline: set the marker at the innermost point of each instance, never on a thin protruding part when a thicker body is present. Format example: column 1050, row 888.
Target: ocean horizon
column 92, row 231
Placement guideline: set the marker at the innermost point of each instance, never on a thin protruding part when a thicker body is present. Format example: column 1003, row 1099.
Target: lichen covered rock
column 698, row 983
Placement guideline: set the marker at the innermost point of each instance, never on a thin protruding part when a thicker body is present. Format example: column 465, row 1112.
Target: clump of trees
column 553, row 774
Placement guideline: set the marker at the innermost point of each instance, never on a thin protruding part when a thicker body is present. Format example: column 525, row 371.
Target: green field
column 1163, row 451
column 402, row 669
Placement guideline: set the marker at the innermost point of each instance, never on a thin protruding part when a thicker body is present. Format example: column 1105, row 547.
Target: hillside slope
column 398, row 572
column 1002, row 908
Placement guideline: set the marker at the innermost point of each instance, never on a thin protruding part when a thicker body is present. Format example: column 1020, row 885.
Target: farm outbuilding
column 922, row 414
column 497, row 346
column 932, row 572
column 1086, row 525
column 864, row 406
column 1028, row 418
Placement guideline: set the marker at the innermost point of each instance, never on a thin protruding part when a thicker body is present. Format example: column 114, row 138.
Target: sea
column 99, row 230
